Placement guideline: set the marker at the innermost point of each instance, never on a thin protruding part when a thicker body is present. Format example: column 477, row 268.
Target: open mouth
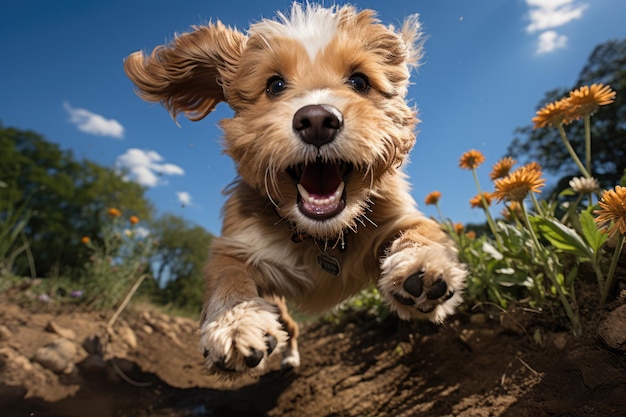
column 321, row 188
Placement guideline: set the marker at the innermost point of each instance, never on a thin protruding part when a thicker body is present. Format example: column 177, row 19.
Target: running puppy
column 321, row 207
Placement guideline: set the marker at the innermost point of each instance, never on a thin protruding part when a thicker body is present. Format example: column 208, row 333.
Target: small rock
column 509, row 324
column 478, row 318
column 147, row 329
column 612, row 331
column 5, row 333
column 64, row 332
column 13, row 359
column 58, row 356
column 560, row 340
column 128, row 336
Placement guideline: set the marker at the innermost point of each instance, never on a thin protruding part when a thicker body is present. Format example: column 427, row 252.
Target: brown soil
column 485, row 363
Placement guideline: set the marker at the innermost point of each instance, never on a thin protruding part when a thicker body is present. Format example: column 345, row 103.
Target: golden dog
column 321, row 208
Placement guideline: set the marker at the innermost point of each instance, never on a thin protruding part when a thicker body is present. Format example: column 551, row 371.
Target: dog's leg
column 239, row 329
column 421, row 276
column 291, row 357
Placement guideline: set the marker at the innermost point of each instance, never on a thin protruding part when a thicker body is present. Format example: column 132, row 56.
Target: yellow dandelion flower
column 471, row 159
column 587, row 99
column 502, row 168
column 85, row 240
column 113, row 212
column 432, row 198
column 133, row 220
column 553, row 114
column 613, row 210
column 477, row 201
column 517, row 185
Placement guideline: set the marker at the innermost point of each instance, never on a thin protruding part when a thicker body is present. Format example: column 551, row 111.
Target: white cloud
column 550, row 14
column 550, row 41
column 145, row 167
column 94, row 124
column 184, row 198
column 547, row 15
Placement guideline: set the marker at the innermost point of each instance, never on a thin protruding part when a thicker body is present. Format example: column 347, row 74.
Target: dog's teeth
column 304, row 193
column 339, row 191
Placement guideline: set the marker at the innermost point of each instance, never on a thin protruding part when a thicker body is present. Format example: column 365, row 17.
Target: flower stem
column 536, row 203
column 490, row 221
column 609, row 279
column 572, row 153
column 440, row 212
column 576, row 325
column 588, row 143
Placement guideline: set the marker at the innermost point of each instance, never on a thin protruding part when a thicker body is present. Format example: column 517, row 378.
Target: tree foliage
column 181, row 253
column 606, row 65
column 66, row 199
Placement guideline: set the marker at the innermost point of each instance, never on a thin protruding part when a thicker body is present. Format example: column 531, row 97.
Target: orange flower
column 471, row 234
column 613, row 210
column 553, row 114
column 517, row 185
column 512, row 211
column 458, row 228
column 85, row 240
column 533, row 166
column 586, row 99
column 477, row 201
column 133, row 220
column 502, row 168
column 113, row 212
column 432, row 198
column 471, row 159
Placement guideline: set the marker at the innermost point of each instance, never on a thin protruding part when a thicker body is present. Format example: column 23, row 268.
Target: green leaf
column 571, row 277
column 562, row 237
column 594, row 237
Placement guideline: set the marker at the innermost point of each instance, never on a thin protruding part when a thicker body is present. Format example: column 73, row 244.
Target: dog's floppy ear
column 411, row 34
column 191, row 74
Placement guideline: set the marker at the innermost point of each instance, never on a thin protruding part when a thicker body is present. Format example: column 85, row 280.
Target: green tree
column 181, row 254
column 66, row 199
column 606, row 65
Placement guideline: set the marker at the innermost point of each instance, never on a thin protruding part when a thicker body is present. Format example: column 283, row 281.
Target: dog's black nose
column 317, row 124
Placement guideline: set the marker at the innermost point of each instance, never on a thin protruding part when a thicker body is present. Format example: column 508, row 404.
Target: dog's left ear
column 191, row 74
column 411, row 34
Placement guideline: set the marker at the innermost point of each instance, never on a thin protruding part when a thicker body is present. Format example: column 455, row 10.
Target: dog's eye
column 359, row 82
column 275, row 86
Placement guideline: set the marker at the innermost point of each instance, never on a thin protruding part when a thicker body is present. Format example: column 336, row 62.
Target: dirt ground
column 480, row 363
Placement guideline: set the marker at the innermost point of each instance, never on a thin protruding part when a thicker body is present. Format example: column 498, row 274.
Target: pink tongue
column 320, row 179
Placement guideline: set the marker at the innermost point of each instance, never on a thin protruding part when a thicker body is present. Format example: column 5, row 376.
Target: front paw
column 239, row 340
column 422, row 282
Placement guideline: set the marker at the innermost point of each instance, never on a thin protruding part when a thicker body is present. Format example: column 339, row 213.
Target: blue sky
column 487, row 64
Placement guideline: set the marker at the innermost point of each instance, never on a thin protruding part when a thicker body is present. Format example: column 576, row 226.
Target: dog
column 321, row 207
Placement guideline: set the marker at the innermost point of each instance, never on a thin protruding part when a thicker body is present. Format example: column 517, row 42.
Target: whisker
column 267, row 191
column 370, row 220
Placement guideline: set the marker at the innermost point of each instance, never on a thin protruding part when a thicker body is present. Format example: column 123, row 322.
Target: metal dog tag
column 329, row 264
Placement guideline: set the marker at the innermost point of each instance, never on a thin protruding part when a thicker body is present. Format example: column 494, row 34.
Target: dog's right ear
column 191, row 74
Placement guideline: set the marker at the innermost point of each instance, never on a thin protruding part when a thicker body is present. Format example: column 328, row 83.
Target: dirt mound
column 65, row 363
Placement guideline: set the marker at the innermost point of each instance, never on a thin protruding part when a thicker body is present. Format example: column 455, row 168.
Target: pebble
column 58, row 356
column 64, row 332
column 5, row 333
column 612, row 330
